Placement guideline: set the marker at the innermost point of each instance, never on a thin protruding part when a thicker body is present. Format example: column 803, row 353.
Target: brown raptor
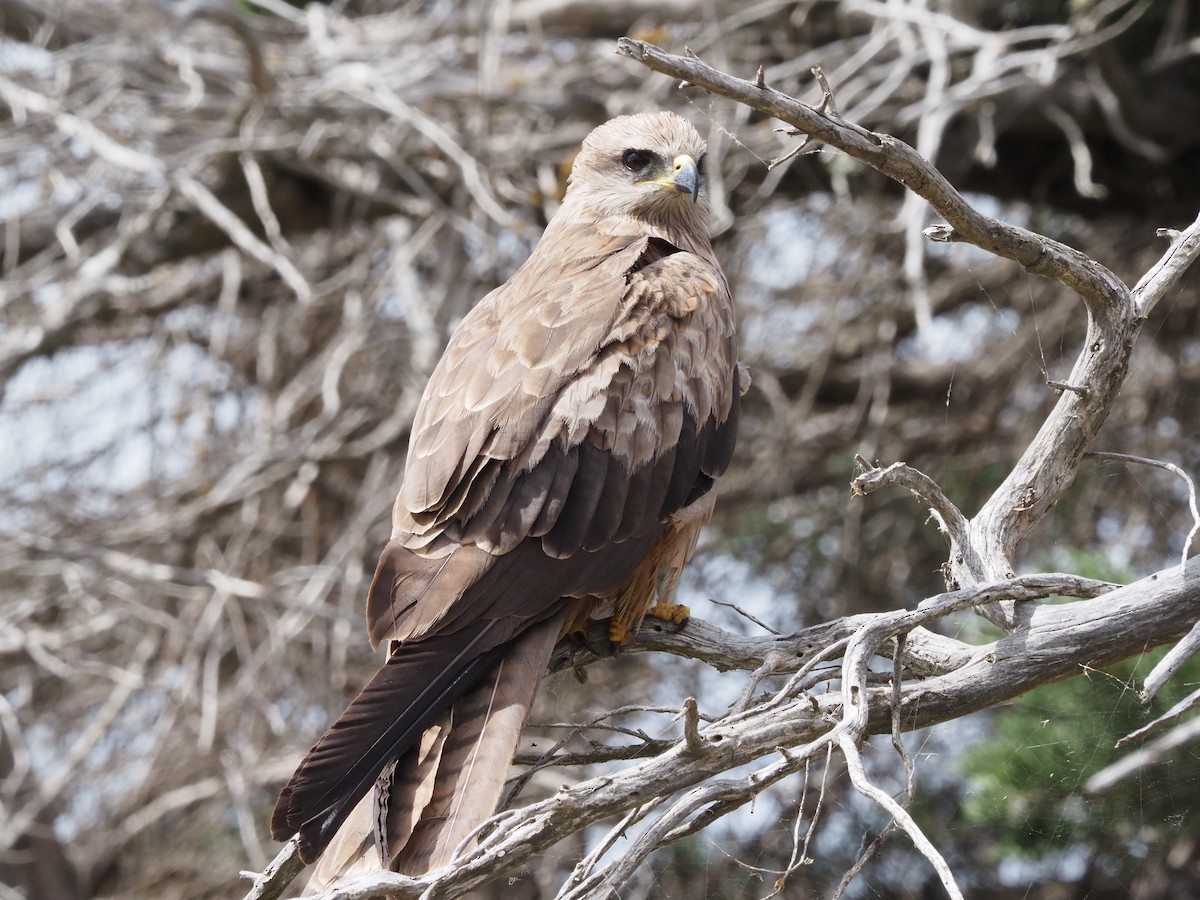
column 559, row 468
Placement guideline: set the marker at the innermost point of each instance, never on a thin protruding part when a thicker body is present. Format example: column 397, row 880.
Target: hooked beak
column 684, row 177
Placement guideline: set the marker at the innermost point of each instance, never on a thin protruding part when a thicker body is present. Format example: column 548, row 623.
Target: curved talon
column 670, row 612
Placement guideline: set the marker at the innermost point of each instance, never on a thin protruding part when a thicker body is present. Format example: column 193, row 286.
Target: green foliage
column 1025, row 782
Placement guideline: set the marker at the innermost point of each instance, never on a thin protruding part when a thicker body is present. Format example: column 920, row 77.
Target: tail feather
column 384, row 721
column 391, row 811
column 451, row 781
column 403, row 801
column 352, row 853
column 475, row 760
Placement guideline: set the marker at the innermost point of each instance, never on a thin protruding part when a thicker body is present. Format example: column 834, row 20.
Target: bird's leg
column 619, row 634
column 576, row 629
column 579, row 637
column 620, row 631
column 665, row 609
column 627, row 620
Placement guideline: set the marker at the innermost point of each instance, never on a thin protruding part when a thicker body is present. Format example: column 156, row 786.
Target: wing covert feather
column 625, row 387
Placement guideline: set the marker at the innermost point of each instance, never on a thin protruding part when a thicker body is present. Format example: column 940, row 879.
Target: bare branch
column 225, row 219
column 1079, row 153
column 863, row 785
column 271, row 883
column 1099, row 288
column 1055, row 642
column 1184, row 249
column 952, row 522
column 1174, row 470
column 1188, row 703
column 1171, row 663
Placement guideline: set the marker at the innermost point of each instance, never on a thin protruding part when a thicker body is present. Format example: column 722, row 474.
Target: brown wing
column 506, row 366
column 574, row 411
column 639, row 407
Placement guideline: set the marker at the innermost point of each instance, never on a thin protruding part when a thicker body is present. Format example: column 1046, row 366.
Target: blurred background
column 236, row 237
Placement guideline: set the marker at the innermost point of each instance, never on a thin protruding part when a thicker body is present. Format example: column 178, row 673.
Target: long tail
column 447, row 785
column 404, row 698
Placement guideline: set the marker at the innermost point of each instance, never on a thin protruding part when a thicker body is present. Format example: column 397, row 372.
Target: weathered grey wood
column 1056, row 641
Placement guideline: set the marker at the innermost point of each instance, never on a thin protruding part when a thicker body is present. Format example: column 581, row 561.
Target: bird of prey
column 559, row 468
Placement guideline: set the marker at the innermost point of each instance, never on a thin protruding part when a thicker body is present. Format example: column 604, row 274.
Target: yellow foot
column 670, row 612
column 618, row 634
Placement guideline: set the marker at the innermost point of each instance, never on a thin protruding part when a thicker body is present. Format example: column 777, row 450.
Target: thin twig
column 1080, row 154
column 281, row 872
column 691, row 728
column 1184, row 250
column 1061, row 386
column 1152, row 753
column 1171, row 663
column 858, row 777
column 737, row 609
column 1184, row 706
column 872, row 478
column 1174, row 470
column 225, row 219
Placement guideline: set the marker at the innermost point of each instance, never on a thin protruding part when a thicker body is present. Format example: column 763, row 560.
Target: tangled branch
column 236, row 238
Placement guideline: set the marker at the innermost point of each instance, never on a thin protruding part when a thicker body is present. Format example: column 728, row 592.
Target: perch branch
column 1057, row 641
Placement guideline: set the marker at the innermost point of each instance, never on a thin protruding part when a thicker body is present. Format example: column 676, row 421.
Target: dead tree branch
column 236, row 237
column 1057, row 642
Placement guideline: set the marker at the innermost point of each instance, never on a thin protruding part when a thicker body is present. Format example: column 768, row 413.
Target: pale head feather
column 602, row 187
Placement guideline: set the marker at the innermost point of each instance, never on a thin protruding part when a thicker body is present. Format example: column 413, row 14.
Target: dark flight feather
column 384, row 721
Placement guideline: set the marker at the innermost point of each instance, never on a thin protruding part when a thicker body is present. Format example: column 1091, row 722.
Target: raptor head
column 647, row 166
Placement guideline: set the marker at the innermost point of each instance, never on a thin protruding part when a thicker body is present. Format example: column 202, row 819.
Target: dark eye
column 700, row 164
column 636, row 160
